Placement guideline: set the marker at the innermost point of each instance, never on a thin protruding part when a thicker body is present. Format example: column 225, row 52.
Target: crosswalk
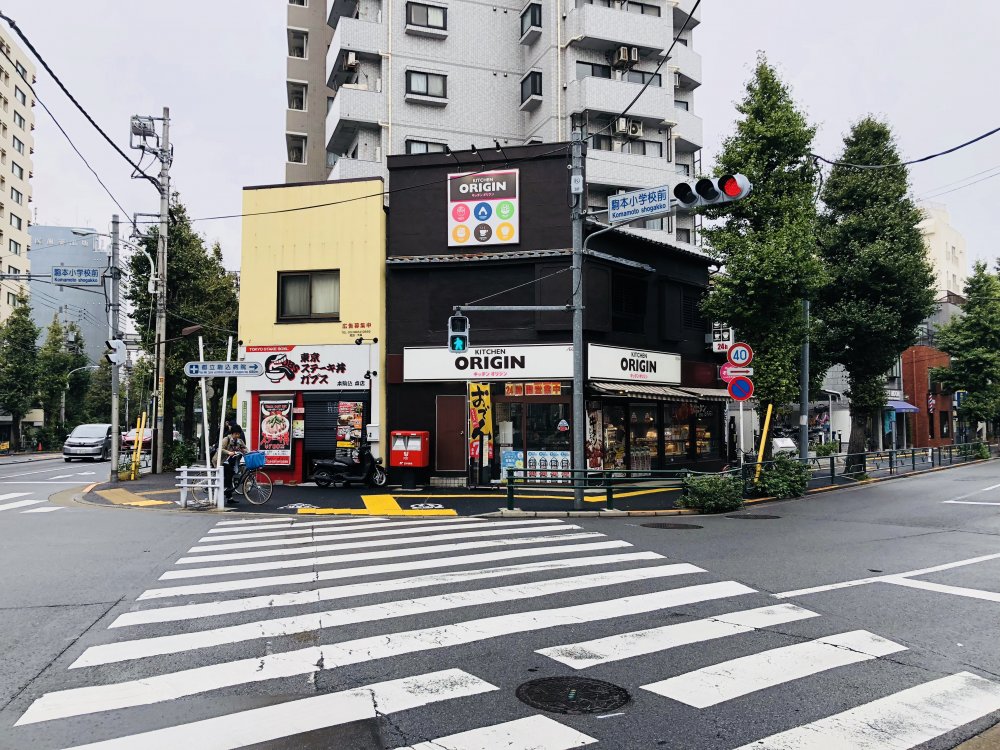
column 419, row 623
column 9, row 501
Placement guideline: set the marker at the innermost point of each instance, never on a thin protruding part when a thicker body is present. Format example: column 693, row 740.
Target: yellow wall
column 349, row 236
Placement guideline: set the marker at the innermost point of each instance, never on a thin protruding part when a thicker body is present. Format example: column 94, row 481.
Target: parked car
column 91, row 441
column 128, row 439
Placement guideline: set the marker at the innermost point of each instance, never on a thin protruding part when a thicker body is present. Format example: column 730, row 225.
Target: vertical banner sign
column 483, row 208
column 480, row 418
column 276, row 432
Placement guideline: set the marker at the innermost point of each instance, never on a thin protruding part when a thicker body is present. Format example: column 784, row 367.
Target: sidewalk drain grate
column 753, row 516
column 572, row 695
column 663, row 525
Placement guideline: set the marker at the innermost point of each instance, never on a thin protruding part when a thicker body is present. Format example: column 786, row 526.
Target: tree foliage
column 18, row 364
column 973, row 342
column 880, row 284
column 61, row 353
column 766, row 242
column 97, row 398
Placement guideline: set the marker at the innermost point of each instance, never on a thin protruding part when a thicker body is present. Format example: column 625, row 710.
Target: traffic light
column 116, row 352
column 710, row 191
column 458, row 334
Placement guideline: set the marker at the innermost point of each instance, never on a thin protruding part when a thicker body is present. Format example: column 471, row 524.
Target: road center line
column 966, row 502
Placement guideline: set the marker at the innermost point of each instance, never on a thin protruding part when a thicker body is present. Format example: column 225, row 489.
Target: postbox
column 410, row 448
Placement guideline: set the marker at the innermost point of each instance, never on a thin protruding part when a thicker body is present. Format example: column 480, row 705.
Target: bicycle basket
column 255, row 460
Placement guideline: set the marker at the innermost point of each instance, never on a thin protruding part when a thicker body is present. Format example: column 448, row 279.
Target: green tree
column 199, row 291
column 18, row 365
column 973, row 342
column 766, row 242
column 61, row 353
column 97, row 399
column 881, row 285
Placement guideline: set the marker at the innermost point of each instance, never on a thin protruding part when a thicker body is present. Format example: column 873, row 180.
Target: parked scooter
column 340, row 472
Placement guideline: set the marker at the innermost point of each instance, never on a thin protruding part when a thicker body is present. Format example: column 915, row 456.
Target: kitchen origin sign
column 638, row 365
column 483, row 208
column 489, row 363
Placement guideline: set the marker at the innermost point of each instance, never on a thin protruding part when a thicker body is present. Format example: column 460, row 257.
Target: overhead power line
column 922, row 159
column 933, row 194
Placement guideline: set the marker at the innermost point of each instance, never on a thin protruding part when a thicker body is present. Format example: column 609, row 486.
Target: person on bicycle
column 233, row 446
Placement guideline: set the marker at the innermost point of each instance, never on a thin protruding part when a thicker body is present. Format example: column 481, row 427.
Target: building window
column 531, row 85
column 628, row 303
column 21, row 70
column 424, row 147
column 298, row 44
column 945, row 424
column 683, row 235
column 691, row 308
column 642, row 9
column 584, row 69
column 13, row 271
column 679, row 104
column 297, row 96
column 656, row 223
column 19, row 120
column 300, row 3
column 15, row 221
column 531, row 17
column 683, row 169
column 11, row 299
column 638, row 76
column 309, row 295
column 426, row 84
column 15, row 247
column 17, row 196
column 601, row 142
column 296, row 145
column 20, row 96
column 683, row 41
column 18, row 145
column 645, row 148
column 428, row 16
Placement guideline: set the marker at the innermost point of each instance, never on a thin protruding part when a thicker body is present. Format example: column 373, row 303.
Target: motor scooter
column 341, row 472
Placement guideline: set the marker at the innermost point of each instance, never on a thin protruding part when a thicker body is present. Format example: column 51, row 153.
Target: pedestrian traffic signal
column 458, row 334
column 710, row 191
column 116, row 352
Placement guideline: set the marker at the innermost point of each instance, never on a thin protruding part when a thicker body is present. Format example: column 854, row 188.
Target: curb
column 53, row 457
column 603, row 513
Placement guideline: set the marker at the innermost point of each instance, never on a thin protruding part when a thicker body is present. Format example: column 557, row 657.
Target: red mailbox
column 409, row 448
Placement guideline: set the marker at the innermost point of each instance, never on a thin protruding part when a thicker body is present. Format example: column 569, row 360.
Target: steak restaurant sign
column 632, row 365
column 310, row 368
column 489, row 363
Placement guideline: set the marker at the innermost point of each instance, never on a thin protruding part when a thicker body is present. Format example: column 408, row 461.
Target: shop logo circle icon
column 505, row 231
column 483, row 232
column 460, row 233
column 505, row 210
column 483, row 211
column 460, row 212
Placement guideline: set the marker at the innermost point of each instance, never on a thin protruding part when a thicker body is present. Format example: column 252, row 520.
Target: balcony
column 611, row 96
column 687, row 130
column 630, row 171
column 351, row 109
column 353, row 169
column 338, row 9
column 364, row 38
column 603, row 28
column 687, row 63
column 681, row 10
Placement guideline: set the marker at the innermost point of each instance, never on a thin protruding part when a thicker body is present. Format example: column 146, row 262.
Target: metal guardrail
column 201, row 482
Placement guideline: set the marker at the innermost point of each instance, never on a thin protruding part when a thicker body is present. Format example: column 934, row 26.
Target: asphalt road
column 865, row 617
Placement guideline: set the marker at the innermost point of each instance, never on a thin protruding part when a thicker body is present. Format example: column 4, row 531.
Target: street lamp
column 151, row 285
column 62, row 403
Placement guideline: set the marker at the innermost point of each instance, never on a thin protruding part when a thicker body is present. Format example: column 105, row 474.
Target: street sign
column 725, row 372
column 223, row 369
column 639, row 204
column 739, row 372
column 740, row 354
column 77, row 276
column 740, row 388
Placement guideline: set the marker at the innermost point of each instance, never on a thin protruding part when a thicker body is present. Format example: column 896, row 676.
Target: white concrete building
column 945, row 249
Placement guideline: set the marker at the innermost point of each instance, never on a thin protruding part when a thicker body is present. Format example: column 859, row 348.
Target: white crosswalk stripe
column 236, row 628
column 47, row 509
column 18, row 503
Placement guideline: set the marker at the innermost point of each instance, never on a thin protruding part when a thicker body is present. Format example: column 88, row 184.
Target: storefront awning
column 901, row 406
column 709, row 394
column 636, row 390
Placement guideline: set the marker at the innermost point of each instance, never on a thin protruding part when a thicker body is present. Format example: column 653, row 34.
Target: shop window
column 708, row 431
column 676, row 431
column 614, row 437
column 312, row 295
column 628, row 303
column 945, row 424
column 644, row 437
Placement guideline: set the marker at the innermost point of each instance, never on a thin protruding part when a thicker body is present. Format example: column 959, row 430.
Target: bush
column 981, row 450
column 182, row 453
column 712, row 493
column 784, row 477
column 825, row 449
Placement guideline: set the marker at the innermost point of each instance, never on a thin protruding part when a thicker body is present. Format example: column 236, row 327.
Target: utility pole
column 116, row 275
column 577, row 181
column 161, row 291
column 804, row 389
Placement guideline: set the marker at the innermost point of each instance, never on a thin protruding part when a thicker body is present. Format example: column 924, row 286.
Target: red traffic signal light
column 710, row 191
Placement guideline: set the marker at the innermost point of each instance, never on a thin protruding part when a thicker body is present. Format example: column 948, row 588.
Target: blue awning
column 901, row 406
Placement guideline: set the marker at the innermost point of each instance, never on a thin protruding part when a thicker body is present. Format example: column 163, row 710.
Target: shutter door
column 321, row 426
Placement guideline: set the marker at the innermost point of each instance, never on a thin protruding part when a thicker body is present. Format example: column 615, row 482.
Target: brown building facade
column 933, row 425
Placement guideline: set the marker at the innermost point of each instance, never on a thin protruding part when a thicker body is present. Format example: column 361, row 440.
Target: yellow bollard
column 140, row 433
column 763, row 442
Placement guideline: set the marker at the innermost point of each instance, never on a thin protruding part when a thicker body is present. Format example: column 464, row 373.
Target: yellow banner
column 480, row 416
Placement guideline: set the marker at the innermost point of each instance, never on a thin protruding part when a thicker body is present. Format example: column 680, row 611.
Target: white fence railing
column 201, row 485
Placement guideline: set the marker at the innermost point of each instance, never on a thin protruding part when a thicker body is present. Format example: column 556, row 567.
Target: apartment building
column 17, row 125
column 945, row 249
column 370, row 78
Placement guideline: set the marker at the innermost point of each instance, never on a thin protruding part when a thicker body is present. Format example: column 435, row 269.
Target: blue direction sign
column 77, row 276
column 741, row 388
column 223, row 369
column 639, row 204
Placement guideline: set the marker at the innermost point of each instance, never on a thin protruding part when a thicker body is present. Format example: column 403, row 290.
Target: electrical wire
column 933, row 195
column 922, row 159
column 511, row 289
column 172, row 314
column 27, row 42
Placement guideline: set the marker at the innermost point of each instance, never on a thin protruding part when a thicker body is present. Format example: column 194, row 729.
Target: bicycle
column 250, row 482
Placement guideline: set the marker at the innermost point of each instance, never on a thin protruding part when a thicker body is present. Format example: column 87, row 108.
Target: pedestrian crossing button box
column 410, row 448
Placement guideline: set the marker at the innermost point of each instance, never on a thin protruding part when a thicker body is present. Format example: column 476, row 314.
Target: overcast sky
column 926, row 66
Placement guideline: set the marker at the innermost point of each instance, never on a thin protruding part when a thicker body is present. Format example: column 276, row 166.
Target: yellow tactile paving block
column 376, row 505
column 124, row 497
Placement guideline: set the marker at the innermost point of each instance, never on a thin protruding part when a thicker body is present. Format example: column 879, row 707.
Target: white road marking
column 642, row 642
column 227, row 534
column 971, row 494
column 887, row 577
column 260, row 725
column 311, row 596
column 20, row 503
column 532, row 733
column 44, row 481
column 172, row 685
column 898, row 722
column 13, row 495
column 142, row 648
column 309, row 562
column 458, row 532
column 47, row 509
column 62, row 476
column 967, row 502
column 726, row 680
column 365, row 570
column 287, row 520
column 990, row 596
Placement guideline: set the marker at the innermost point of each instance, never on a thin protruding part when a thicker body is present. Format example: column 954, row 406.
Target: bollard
column 510, row 488
column 892, row 462
column 833, row 470
column 609, row 491
column 913, row 459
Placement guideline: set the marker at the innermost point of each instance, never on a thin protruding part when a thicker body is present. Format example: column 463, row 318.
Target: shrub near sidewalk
column 785, row 477
column 713, row 493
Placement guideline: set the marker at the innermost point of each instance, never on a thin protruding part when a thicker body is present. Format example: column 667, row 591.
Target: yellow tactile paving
column 124, row 497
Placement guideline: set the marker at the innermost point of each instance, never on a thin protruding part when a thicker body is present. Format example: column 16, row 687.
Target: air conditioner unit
column 621, row 126
column 634, row 129
column 621, row 59
column 351, row 61
column 635, row 54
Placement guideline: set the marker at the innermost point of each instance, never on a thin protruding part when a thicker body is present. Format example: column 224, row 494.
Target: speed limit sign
column 740, row 354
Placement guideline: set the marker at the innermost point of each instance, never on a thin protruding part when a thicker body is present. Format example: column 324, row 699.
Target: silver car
column 91, row 441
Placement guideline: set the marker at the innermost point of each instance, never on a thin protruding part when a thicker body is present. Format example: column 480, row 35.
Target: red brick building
column 932, row 426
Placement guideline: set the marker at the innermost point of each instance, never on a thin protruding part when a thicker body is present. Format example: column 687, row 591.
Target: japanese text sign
column 639, row 204
column 483, row 208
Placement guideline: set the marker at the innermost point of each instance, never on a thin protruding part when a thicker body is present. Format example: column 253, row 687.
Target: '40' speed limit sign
column 740, row 354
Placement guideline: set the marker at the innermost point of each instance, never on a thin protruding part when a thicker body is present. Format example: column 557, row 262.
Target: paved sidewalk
column 23, row 458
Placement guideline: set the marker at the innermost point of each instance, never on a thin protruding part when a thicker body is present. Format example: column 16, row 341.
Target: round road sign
column 740, row 354
column 741, row 388
column 724, row 371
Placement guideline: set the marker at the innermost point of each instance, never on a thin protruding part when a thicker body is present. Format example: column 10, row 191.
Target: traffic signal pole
column 159, row 433
column 115, row 333
column 577, row 179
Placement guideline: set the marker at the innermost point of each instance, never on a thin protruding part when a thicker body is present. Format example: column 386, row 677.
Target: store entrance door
column 449, row 434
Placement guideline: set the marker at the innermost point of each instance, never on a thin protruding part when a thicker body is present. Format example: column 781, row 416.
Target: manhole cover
column 572, row 695
column 753, row 516
column 671, row 526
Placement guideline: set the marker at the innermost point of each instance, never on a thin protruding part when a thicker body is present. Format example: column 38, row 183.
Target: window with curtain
column 308, row 295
